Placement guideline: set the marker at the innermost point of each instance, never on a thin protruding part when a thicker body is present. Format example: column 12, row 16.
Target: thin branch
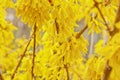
column 102, row 16
column 1, row 77
column 67, row 71
column 85, row 28
column 34, row 47
column 57, row 26
column 117, row 19
column 81, row 32
column 22, row 56
column 107, row 71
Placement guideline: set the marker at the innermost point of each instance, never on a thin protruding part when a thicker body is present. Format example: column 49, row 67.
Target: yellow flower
column 33, row 11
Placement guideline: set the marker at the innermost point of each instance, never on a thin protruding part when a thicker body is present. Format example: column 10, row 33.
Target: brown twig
column 1, row 77
column 67, row 71
column 117, row 19
column 57, row 26
column 107, row 71
column 22, row 56
column 81, row 32
column 101, row 14
column 85, row 28
column 34, row 47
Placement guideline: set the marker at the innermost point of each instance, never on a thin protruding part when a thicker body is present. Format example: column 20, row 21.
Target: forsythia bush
column 55, row 51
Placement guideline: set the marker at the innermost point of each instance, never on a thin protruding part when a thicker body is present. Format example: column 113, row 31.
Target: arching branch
column 107, row 71
column 22, row 56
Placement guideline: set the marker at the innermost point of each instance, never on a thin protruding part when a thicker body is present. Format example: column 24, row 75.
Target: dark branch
column 1, row 77
column 102, row 16
column 67, row 71
column 22, row 56
column 34, row 47
column 107, row 71
column 117, row 19
column 81, row 32
column 57, row 26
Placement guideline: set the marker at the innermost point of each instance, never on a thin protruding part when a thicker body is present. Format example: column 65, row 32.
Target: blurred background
column 23, row 29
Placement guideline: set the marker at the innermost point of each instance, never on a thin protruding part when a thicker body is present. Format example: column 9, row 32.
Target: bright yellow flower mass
column 55, row 49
